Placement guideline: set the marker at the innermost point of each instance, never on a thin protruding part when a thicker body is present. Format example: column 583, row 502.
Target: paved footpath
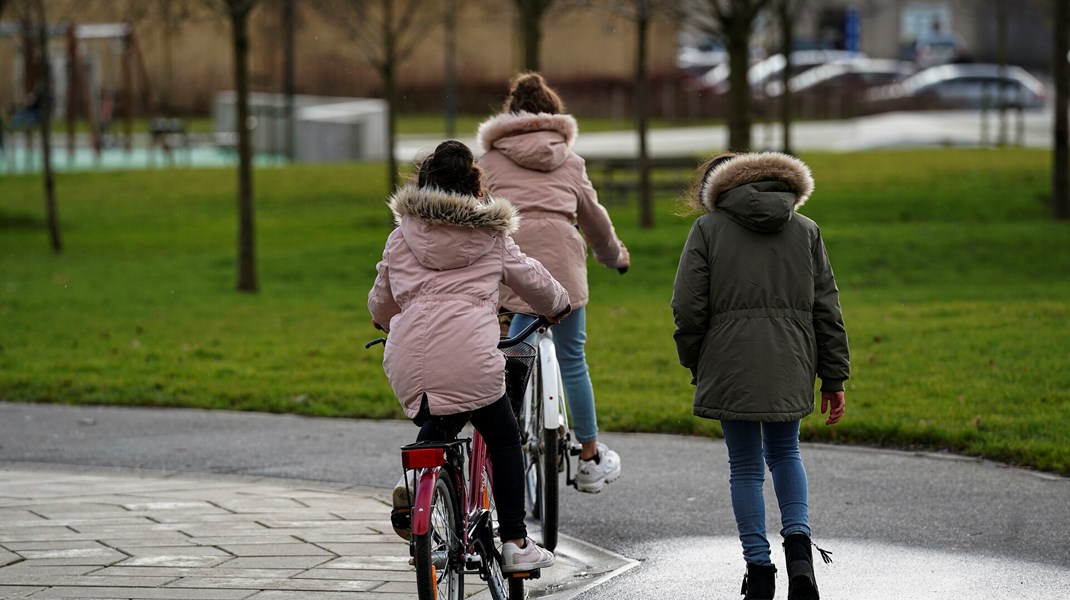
column 122, row 503
column 70, row 532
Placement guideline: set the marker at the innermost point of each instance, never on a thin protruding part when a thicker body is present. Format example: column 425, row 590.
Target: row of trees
column 386, row 31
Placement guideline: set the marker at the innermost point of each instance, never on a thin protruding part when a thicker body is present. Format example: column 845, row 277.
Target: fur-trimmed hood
column 753, row 168
column 438, row 207
column 539, row 141
column 449, row 230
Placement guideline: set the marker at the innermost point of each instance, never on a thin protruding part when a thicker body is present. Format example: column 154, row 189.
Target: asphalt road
column 899, row 524
column 941, row 129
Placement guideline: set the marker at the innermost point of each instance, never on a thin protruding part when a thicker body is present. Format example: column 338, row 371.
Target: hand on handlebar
column 555, row 319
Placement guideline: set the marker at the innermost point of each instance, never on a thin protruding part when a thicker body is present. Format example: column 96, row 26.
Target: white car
column 764, row 71
column 961, row 86
column 856, row 74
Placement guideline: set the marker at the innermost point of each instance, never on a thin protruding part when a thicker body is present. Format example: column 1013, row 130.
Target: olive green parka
column 755, row 302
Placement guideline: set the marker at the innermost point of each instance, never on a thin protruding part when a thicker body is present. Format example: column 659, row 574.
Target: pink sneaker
column 530, row 557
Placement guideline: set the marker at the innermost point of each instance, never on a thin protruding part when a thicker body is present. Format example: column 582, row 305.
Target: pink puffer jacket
column 437, row 294
column 528, row 159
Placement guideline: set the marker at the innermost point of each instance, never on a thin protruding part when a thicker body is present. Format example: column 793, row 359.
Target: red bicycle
column 452, row 514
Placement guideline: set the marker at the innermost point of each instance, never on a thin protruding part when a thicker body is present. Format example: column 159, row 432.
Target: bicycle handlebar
column 538, row 323
column 509, row 342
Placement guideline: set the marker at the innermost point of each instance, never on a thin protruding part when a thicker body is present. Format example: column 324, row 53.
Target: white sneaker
column 592, row 476
column 402, row 501
column 530, row 557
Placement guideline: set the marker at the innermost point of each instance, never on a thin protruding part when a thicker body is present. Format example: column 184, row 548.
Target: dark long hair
column 452, row 168
column 529, row 92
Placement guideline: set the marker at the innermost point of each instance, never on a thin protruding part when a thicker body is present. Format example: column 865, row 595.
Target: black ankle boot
column 802, row 585
column 759, row 583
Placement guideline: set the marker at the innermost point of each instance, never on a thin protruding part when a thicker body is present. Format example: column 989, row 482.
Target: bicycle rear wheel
column 496, row 581
column 439, row 570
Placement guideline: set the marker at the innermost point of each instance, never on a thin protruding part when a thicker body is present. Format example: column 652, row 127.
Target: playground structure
column 322, row 129
column 99, row 76
column 99, row 79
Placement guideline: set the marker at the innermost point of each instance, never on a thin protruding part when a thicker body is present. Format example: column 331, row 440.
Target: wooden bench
column 616, row 178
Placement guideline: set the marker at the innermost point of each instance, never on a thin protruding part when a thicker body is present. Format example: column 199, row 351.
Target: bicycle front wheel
column 437, row 554
column 541, row 458
column 548, row 489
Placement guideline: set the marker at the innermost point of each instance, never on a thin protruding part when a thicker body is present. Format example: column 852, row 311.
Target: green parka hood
column 759, row 191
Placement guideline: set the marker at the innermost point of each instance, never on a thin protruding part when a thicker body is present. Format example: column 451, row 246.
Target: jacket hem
column 771, row 417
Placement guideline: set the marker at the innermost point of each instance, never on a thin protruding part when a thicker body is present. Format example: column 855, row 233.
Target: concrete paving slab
column 210, row 551
column 187, row 536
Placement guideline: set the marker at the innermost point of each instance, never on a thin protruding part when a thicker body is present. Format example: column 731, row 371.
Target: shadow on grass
column 20, row 221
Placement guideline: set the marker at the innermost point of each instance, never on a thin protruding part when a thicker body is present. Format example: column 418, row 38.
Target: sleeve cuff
column 831, row 385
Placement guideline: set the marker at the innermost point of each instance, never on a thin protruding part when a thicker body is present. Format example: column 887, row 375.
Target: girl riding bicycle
column 529, row 159
column 436, row 292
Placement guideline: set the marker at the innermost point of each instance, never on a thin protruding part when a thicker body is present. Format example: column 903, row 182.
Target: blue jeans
column 751, row 446
column 570, row 336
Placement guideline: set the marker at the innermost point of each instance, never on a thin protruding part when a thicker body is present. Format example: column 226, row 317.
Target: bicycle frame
column 472, row 489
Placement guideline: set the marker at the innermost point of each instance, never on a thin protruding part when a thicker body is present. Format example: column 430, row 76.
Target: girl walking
column 528, row 158
column 757, row 316
column 437, row 294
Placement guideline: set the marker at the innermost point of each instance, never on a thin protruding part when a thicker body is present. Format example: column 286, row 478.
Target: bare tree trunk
column 30, row 75
column 787, row 40
column 739, row 96
column 387, row 72
column 288, row 70
column 247, row 277
column 51, row 212
column 74, row 88
column 127, row 93
column 642, row 110
column 166, row 83
column 1001, row 61
column 451, row 68
column 531, row 13
column 1060, row 201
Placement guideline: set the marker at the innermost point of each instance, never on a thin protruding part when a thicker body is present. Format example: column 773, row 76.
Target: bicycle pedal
column 533, row 574
column 401, row 519
column 575, row 449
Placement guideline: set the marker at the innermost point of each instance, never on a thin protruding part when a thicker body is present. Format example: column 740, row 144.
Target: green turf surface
column 954, row 286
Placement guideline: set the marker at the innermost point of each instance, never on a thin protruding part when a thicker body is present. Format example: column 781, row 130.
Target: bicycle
column 545, row 436
column 450, row 515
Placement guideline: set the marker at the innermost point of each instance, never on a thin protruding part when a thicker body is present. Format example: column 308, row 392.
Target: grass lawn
column 954, row 286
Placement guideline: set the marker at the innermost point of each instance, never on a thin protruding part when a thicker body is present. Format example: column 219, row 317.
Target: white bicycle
column 541, row 412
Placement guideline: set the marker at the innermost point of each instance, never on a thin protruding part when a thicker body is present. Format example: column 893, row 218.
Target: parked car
column 764, row 71
column 835, row 90
column 698, row 54
column 970, row 85
column 856, row 74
